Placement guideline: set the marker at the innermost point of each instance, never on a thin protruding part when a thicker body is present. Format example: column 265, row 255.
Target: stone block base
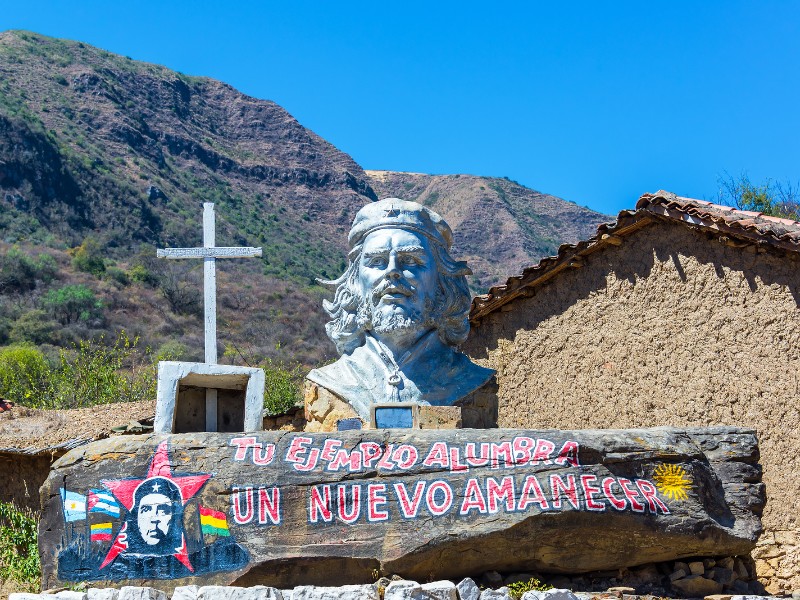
column 777, row 561
column 324, row 409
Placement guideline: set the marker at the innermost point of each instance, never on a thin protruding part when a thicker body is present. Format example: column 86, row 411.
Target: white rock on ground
column 439, row 590
column 184, row 592
column 556, row 594
column 222, row 592
column 411, row 590
column 104, row 594
column 345, row 592
column 468, row 590
column 70, row 595
column 402, row 590
column 27, row 596
column 498, row 594
column 130, row 592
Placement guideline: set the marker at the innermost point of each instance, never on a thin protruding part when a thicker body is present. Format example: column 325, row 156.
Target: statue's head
column 400, row 277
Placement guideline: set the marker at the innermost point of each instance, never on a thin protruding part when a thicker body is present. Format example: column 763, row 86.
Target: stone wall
column 670, row 328
column 21, row 476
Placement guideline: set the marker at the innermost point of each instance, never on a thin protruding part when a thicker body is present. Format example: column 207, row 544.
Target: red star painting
column 159, row 483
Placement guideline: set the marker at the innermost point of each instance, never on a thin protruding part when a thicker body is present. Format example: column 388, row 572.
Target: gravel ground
column 32, row 429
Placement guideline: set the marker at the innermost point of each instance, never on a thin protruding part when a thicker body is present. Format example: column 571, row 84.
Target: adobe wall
column 21, row 476
column 670, row 328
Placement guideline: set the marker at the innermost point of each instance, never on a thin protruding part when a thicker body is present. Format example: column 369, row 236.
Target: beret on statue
column 393, row 213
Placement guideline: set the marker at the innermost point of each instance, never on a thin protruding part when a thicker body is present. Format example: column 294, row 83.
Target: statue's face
column 397, row 274
column 155, row 515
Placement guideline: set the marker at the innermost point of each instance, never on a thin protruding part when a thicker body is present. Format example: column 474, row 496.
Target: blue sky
column 596, row 102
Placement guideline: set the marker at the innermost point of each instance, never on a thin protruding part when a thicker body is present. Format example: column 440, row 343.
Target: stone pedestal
column 324, row 409
column 208, row 397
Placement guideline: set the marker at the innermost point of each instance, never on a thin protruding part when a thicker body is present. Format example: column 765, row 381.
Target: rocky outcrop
column 282, row 508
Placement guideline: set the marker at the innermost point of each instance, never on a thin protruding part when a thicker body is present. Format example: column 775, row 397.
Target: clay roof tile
column 663, row 205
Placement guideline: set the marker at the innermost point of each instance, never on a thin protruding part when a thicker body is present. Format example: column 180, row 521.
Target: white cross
column 209, row 253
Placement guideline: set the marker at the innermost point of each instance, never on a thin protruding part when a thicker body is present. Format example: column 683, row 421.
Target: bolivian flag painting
column 213, row 522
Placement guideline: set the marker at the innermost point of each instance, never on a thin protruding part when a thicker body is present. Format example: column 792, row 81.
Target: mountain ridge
column 101, row 151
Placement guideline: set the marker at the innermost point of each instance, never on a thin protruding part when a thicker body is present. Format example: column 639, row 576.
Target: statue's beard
column 385, row 319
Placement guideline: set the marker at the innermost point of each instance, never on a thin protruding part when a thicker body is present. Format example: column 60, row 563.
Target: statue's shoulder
column 327, row 373
column 343, row 372
column 454, row 365
column 349, row 377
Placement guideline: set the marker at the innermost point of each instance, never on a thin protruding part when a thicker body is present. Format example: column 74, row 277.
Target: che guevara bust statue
column 399, row 312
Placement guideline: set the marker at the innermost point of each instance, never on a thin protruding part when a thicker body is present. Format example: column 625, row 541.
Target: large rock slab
column 284, row 509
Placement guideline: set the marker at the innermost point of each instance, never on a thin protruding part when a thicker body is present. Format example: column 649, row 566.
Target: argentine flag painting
column 74, row 506
column 103, row 502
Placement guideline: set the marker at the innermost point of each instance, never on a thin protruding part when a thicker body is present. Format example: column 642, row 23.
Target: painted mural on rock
column 260, row 507
column 136, row 528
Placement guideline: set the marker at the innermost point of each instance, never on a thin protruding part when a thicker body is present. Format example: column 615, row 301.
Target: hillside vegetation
column 104, row 159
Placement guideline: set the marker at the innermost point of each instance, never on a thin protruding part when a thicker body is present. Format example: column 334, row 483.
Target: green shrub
column 5, row 329
column 24, row 374
column 93, row 373
column 118, row 275
column 140, row 274
column 777, row 199
column 172, row 350
column 46, row 267
column 17, row 272
column 35, row 327
column 281, row 386
column 517, row 589
column 19, row 555
column 88, row 258
column 72, row 303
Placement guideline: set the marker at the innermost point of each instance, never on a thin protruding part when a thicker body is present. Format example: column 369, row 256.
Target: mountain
column 500, row 226
column 91, row 142
column 103, row 159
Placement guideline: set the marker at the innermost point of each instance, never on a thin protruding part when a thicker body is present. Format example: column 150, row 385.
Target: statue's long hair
column 450, row 312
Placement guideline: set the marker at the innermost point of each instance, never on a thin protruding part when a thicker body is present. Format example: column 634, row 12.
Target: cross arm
column 217, row 252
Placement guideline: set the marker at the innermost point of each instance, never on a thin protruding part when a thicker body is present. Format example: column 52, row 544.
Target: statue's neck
column 398, row 343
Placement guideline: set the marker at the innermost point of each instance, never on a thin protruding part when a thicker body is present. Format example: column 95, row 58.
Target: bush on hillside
column 34, row 326
column 88, row 258
column 72, row 303
column 118, row 275
column 19, row 272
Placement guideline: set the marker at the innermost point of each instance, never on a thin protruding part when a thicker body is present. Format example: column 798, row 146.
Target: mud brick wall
column 673, row 327
column 21, row 476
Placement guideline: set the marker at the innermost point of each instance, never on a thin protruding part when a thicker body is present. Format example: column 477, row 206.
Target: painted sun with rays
column 672, row 481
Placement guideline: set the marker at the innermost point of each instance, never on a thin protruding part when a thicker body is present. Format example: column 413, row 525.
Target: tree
column 777, row 199
column 71, row 303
